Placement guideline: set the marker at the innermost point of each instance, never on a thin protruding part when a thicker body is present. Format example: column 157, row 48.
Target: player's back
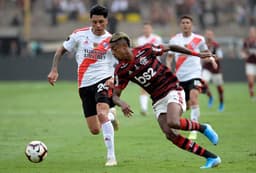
column 148, row 72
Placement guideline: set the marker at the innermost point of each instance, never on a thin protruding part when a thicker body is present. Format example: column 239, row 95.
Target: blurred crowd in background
column 53, row 20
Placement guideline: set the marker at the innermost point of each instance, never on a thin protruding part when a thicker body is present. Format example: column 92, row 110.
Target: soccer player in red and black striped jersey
column 209, row 73
column 141, row 66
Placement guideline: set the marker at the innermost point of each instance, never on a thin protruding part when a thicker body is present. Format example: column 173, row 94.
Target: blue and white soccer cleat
column 211, row 163
column 211, row 134
column 221, row 107
column 210, row 102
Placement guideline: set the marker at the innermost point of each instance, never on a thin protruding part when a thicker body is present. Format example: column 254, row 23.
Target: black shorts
column 91, row 95
column 191, row 84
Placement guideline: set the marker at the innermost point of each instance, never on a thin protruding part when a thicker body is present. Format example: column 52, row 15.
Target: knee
column 95, row 131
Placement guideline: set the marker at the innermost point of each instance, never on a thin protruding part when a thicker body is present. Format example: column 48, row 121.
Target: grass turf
column 38, row 111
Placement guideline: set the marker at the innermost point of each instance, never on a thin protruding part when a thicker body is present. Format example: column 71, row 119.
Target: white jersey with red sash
column 152, row 39
column 188, row 66
column 94, row 58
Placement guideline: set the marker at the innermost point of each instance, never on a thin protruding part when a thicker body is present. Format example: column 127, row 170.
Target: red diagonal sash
column 182, row 58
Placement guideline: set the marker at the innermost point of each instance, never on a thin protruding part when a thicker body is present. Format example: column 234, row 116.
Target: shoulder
column 198, row 36
column 121, row 68
column 215, row 44
column 176, row 36
column 80, row 30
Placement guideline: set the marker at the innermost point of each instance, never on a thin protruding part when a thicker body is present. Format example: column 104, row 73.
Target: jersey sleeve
column 157, row 50
column 120, row 81
column 203, row 46
column 70, row 43
column 171, row 42
column 219, row 53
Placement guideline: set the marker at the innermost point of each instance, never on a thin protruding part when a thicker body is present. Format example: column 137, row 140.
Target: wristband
column 194, row 53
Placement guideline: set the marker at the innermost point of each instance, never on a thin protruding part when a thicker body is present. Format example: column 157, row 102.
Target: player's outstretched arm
column 53, row 75
column 124, row 106
column 180, row 49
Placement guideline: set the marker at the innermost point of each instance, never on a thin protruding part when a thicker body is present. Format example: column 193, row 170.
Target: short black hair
column 186, row 17
column 99, row 10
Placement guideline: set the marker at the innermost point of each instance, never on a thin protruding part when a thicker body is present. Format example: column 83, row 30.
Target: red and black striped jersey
column 147, row 71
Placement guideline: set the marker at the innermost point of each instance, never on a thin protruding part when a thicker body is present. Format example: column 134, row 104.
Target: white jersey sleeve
column 70, row 43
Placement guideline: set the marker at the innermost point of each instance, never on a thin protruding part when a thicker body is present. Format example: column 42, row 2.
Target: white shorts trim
column 175, row 96
column 250, row 69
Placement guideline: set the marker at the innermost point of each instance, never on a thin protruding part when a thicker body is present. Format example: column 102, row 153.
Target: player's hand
column 126, row 109
column 52, row 77
column 214, row 64
column 110, row 83
column 204, row 55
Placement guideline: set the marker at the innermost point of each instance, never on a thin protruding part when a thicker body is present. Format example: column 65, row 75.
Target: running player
column 147, row 37
column 249, row 53
column 95, row 71
column 188, row 68
column 141, row 66
column 210, row 73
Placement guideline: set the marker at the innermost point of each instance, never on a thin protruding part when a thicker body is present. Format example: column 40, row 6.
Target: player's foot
column 221, row 107
column 111, row 162
column 211, row 163
column 192, row 135
column 210, row 102
column 211, row 134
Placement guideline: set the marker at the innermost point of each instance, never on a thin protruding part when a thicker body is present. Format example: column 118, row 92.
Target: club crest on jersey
column 143, row 60
column 123, row 66
column 105, row 45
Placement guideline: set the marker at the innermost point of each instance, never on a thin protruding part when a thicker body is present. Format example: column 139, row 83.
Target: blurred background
column 33, row 29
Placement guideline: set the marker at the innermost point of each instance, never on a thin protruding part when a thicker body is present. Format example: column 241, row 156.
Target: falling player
column 141, row 66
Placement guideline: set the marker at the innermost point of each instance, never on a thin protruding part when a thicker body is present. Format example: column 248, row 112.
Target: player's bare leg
column 221, row 98
column 250, row 79
column 171, row 122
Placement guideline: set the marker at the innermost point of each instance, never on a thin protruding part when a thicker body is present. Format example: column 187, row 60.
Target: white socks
column 144, row 103
column 195, row 113
column 108, row 135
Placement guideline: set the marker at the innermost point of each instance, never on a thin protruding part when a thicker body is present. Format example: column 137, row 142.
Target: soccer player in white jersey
column 147, row 37
column 188, row 68
column 95, row 72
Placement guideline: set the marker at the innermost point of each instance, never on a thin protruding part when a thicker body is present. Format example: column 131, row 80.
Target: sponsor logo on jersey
column 94, row 54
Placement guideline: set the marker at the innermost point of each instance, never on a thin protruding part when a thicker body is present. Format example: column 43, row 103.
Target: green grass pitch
column 38, row 111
